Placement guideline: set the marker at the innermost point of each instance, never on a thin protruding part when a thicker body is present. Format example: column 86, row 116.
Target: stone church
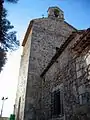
column 54, row 77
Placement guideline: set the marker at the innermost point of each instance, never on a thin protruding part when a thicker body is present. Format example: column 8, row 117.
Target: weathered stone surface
column 72, row 73
column 22, row 80
column 46, row 36
column 68, row 70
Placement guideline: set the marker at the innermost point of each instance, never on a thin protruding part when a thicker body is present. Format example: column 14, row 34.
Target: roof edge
column 70, row 25
column 27, row 32
column 57, row 54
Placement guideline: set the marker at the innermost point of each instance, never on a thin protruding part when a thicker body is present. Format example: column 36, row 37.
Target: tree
column 8, row 39
column 2, row 58
column 12, row 1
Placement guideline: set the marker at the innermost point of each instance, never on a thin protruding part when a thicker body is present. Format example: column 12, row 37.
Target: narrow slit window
column 57, row 103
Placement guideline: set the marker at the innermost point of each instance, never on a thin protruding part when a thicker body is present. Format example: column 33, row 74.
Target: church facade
column 54, row 77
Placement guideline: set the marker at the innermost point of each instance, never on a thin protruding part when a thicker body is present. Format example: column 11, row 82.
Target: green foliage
column 56, row 12
column 8, row 39
column 12, row 1
column 2, row 58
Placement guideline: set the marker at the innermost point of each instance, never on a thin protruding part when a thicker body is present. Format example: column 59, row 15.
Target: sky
column 76, row 12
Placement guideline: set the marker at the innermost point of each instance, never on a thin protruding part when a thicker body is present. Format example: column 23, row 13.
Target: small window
column 56, row 104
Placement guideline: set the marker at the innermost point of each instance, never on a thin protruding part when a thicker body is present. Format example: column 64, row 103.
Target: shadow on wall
column 31, row 112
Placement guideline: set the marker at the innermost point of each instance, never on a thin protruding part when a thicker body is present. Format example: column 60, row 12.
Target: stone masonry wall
column 22, row 80
column 71, row 72
column 47, row 34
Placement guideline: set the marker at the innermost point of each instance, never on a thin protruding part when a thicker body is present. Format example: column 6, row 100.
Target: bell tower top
column 55, row 12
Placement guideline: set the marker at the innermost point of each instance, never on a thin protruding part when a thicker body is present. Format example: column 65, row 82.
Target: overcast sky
column 77, row 13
